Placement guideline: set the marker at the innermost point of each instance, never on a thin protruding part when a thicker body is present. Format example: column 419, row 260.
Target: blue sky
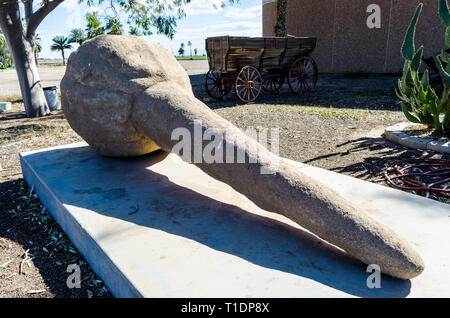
column 201, row 21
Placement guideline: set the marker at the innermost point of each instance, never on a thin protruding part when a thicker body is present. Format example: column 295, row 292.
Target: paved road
column 51, row 76
column 9, row 85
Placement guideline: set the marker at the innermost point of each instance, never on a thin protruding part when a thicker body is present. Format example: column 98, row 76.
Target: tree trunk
column 35, row 58
column 64, row 60
column 22, row 51
column 280, row 27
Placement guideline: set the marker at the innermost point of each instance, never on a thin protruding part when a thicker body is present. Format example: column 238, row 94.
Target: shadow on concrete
column 175, row 209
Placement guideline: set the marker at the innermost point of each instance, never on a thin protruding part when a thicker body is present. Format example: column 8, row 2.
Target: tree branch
column 37, row 17
column 28, row 5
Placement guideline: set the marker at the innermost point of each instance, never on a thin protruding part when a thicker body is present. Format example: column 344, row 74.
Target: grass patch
column 11, row 99
column 50, row 64
column 184, row 58
column 332, row 113
column 20, row 132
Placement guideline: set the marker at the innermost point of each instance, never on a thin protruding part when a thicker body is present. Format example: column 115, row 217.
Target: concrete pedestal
column 158, row 227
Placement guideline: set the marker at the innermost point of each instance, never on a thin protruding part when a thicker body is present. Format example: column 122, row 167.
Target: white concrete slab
column 396, row 134
column 193, row 236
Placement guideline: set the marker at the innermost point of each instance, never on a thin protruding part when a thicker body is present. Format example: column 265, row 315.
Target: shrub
column 427, row 107
column 5, row 56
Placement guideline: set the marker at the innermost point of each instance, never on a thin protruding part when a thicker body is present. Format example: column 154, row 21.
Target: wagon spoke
column 307, row 85
column 303, row 75
column 242, row 92
column 300, row 86
column 251, row 90
column 309, row 68
column 305, row 65
column 248, row 84
column 245, row 77
column 215, row 85
column 254, row 76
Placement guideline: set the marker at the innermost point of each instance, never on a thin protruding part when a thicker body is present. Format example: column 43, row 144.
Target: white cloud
column 197, row 7
column 239, row 13
column 69, row 4
column 92, row 9
column 198, row 35
column 233, row 26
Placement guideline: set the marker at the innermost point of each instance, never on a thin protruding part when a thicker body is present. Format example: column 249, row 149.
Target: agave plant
column 415, row 90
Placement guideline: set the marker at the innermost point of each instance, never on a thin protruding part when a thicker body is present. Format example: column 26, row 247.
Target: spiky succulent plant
column 427, row 107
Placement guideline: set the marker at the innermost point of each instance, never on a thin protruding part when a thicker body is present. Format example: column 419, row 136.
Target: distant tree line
column 94, row 27
column 181, row 50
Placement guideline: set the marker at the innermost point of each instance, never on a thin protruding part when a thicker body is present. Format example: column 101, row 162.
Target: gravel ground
column 339, row 127
column 34, row 251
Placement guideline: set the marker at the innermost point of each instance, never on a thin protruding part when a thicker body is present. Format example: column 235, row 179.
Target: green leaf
column 409, row 116
column 444, row 102
column 447, row 36
column 407, row 79
column 444, row 75
column 436, row 112
column 408, row 47
column 400, row 95
column 417, row 60
column 445, row 56
column 444, row 12
column 425, row 79
column 426, row 119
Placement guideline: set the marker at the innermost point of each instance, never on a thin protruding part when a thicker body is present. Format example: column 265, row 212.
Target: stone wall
column 344, row 41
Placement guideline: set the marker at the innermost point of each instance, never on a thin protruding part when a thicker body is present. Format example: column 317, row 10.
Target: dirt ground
column 339, row 127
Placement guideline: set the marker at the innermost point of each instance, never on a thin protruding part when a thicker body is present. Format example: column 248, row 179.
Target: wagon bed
column 267, row 60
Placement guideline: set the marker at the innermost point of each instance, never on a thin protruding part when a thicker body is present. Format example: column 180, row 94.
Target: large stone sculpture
column 125, row 97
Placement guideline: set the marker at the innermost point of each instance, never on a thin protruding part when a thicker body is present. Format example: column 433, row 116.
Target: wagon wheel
column 248, row 84
column 303, row 75
column 215, row 85
column 272, row 84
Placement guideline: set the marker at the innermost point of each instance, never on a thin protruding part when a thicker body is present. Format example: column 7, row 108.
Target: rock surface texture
column 126, row 96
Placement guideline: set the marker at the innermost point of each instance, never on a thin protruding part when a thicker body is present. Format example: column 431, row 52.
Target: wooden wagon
column 254, row 64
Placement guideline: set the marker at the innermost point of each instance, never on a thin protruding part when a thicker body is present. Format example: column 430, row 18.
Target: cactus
column 427, row 108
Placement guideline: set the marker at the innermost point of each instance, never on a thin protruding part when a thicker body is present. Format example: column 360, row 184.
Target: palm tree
column 134, row 31
column 61, row 43
column 190, row 46
column 37, row 47
column 181, row 50
column 93, row 26
column 280, row 27
column 77, row 36
column 114, row 26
